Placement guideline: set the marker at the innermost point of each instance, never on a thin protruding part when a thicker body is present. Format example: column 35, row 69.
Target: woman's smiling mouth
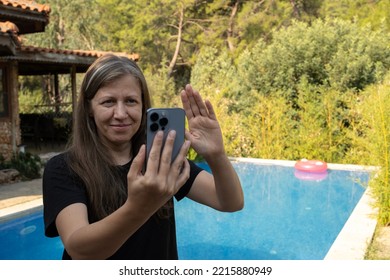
column 120, row 126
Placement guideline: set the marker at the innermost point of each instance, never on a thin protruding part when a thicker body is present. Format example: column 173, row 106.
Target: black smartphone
column 165, row 119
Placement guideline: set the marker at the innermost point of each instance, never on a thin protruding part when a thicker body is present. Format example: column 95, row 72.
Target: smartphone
column 165, row 119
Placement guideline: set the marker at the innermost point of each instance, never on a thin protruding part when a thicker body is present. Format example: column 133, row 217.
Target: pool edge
column 20, row 209
column 357, row 233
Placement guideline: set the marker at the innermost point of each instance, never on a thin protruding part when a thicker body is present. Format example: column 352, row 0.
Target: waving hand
column 204, row 130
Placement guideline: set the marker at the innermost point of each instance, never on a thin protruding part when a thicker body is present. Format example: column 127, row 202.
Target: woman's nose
column 120, row 110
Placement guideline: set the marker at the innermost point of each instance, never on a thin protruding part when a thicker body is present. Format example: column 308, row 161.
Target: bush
column 28, row 165
column 376, row 122
column 332, row 53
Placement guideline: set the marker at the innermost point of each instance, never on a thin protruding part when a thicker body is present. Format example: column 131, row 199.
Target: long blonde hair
column 88, row 157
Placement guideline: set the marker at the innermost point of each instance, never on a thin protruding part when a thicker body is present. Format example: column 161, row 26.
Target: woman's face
column 117, row 111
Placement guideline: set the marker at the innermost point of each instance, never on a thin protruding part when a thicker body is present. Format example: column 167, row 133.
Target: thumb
column 188, row 135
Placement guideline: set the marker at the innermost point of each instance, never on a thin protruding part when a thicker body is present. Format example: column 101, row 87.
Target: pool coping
column 20, row 209
column 357, row 233
column 351, row 243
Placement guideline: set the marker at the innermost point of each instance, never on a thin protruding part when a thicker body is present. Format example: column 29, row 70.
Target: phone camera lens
column 154, row 127
column 154, row 117
column 163, row 121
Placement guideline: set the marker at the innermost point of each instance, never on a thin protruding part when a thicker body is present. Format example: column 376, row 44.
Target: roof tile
column 12, row 30
column 27, row 5
column 7, row 26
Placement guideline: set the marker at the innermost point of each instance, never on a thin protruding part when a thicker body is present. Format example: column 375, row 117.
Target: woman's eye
column 131, row 101
column 108, row 102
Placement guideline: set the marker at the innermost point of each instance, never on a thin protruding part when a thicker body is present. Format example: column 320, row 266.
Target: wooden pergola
column 19, row 17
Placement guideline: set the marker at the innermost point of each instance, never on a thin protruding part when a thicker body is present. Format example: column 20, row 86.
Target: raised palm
column 204, row 130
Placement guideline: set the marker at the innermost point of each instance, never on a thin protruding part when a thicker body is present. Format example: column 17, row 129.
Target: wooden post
column 74, row 92
column 57, row 97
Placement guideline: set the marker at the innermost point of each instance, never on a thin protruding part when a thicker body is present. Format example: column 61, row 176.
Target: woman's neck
column 121, row 154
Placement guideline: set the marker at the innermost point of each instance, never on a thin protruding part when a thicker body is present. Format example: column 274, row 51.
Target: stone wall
column 5, row 139
column 10, row 136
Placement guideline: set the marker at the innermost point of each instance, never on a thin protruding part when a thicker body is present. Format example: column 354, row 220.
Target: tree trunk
column 295, row 8
column 230, row 31
column 178, row 42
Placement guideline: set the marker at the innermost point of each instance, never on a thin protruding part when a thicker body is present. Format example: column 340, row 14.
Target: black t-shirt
column 155, row 240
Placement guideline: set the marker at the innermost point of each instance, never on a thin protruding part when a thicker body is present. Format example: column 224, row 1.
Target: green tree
column 375, row 13
column 156, row 29
column 162, row 87
column 72, row 25
column 332, row 53
column 238, row 24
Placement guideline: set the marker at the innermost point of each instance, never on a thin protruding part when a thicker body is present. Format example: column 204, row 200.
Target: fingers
column 164, row 175
column 211, row 111
column 186, row 104
column 178, row 162
column 180, row 170
column 193, row 103
column 183, row 175
column 162, row 178
column 155, row 152
column 166, row 157
column 160, row 156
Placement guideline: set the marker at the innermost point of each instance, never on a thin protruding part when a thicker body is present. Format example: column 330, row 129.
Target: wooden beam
column 74, row 93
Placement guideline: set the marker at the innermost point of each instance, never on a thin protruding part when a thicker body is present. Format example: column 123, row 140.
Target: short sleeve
column 184, row 190
column 60, row 188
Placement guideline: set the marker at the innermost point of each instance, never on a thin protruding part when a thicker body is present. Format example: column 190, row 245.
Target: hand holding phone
column 165, row 119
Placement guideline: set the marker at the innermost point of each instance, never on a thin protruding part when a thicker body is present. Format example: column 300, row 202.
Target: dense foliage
column 28, row 165
column 290, row 79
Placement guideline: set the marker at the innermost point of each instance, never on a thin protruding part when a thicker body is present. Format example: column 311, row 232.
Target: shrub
column 28, row 165
column 376, row 121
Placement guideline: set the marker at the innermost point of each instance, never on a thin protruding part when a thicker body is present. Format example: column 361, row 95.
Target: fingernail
column 172, row 133
column 159, row 134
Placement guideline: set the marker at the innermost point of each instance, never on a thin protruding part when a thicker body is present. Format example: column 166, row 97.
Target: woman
column 97, row 197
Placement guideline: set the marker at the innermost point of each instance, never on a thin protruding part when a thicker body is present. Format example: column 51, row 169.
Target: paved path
column 15, row 195
column 27, row 192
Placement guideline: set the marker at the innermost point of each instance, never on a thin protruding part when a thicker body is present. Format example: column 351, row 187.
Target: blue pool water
column 22, row 238
column 284, row 218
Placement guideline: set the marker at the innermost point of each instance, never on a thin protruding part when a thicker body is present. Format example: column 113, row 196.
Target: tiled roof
column 8, row 26
column 27, row 5
column 10, row 29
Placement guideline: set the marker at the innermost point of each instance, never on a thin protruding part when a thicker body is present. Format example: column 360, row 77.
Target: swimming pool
column 22, row 238
column 284, row 218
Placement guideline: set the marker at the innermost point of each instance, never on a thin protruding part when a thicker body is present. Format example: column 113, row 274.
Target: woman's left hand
column 204, row 130
column 220, row 189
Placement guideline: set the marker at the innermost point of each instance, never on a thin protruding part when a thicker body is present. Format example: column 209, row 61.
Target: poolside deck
column 20, row 196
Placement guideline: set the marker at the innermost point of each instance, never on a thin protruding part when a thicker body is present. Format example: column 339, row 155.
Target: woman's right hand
column 162, row 179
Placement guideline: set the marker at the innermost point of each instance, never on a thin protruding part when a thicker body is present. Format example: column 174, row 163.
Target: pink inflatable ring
column 314, row 166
